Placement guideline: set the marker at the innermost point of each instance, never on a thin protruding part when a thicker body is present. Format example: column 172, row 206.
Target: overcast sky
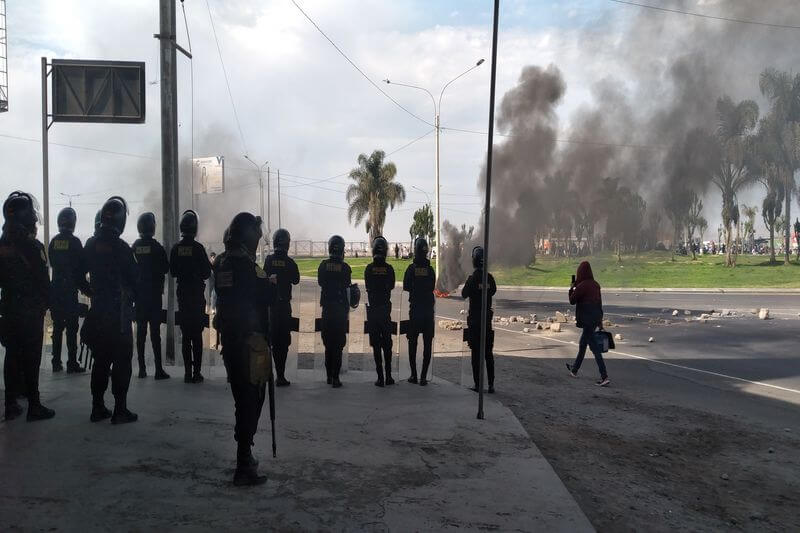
column 301, row 105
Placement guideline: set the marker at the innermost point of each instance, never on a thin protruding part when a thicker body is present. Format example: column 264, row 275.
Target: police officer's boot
column 423, row 380
column 121, row 413
column 378, row 368
column 387, row 358
column 57, row 366
column 13, row 409
column 246, row 468
column 37, row 411
column 99, row 410
column 73, row 367
column 280, row 367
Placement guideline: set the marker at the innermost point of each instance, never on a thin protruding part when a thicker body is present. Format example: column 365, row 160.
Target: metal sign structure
column 209, row 175
column 3, row 58
column 98, row 91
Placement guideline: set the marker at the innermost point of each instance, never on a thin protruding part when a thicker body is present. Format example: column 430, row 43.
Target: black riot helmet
column 420, row 248
column 380, row 248
column 281, row 240
column 146, row 225
column 114, row 215
column 66, row 220
column 188, row 224
column 245, row 230
column 336, row 248
column 21, row 212
column 477, row 257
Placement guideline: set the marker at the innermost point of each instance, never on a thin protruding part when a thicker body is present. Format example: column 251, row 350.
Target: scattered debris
column 687, row 312
column 526, row 330
column 539, row 325
column 763, row 313
column 555, row 326
column 526, row 321
column 705, row 316
column 725, row 477
column 451, row 325
column 754, row 311
column 618, row 337
column 533, row 317
column 675, row 312
column 512, row 319
column 651, row 339
column 659, row 322
column 771, row 450
column 607, row 323
column 461, row 312
column 560, row 317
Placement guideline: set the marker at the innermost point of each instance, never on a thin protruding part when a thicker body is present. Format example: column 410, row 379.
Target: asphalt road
column 689, row 361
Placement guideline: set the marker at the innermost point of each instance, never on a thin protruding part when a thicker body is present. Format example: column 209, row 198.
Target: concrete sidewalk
column 404, row 458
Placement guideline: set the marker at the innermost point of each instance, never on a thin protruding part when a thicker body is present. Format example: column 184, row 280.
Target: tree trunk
column 619, row 250
column 787, row 218
column 728, row 253
column 772, row 243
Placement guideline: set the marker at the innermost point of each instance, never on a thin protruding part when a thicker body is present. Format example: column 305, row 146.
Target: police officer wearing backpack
column 473, row 290
column 338, row 295
column 419, row 281
column 286, row 274
column 152, row 263
column 24, row 294
column 379, row 280
column 189, row 263
column 244, row 293
column 66, row 254
column 107, row 330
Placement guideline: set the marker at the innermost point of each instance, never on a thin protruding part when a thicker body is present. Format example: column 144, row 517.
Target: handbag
column 604, row 340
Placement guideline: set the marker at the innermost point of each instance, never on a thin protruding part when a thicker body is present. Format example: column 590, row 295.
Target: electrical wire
column 227, row 83
column 702, row 15
column 570, row 141
column 384, row 93
column 76, row 147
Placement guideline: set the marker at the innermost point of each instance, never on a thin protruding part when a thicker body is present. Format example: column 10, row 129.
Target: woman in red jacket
column 584, row 294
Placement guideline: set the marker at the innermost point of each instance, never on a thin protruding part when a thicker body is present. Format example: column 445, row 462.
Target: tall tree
column 422, row 224
column 783, row 91
column 749, row 213
column 373, row 192
column 734, row 123
column 764, row 163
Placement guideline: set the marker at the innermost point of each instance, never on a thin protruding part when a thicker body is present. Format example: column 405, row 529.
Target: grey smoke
column 662, row 106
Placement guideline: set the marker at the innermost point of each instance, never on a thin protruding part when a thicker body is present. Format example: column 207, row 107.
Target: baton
column 271, row 390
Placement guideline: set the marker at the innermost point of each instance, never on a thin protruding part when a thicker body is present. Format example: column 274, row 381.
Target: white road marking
column 634, row 356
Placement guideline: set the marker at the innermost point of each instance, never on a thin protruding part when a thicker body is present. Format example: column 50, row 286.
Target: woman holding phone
column 584, row 294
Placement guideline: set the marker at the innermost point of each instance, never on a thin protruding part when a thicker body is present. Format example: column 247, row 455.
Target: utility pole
column 169, row 152
column 45, row 158
column 269, row 206
column 279, row 199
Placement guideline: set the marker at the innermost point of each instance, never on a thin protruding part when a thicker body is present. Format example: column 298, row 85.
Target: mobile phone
column 573, row 279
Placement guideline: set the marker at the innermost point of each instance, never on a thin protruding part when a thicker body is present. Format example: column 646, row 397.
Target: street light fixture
column 436, row 111
column 69, row 197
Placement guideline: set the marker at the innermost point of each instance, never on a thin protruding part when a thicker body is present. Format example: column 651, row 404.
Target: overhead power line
column 227, row 83
column 713, row 17
column 572, row 141
column 384, row 93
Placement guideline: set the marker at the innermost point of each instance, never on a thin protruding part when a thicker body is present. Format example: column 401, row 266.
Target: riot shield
column 320, row 372
column 358, row 351
column 287, row 327
column 306, row 309
column 466, row 351
column 400, row 312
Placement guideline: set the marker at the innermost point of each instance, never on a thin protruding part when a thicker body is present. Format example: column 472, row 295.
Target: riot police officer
column 24, row 294
column 379, row 280
column 189, row 263
column 243, row 297
column 472, row 290
column 333, row 275
column 286, row 274
column 419, row 281
column 107, row 330
column 66, row 254
column 152, row 263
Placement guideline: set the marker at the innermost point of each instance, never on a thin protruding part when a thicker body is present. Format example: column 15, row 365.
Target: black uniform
column 112, row 277
column 66, row 255
column 379, row 280
column 287, row 274
column 419, row 281
column 243, row 297
column 24, row 296
column 189, row 263
column 152, row 266
column 472, row 290
column 334, row 278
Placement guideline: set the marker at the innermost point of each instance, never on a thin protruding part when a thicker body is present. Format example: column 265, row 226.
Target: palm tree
column 764, row 163
column 783, row 92
column 692, row 219
column 734, row 122
column 373, row 192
